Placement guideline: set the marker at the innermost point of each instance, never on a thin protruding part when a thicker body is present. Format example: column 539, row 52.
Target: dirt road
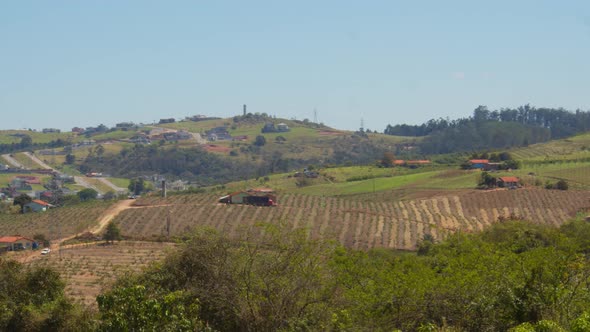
column 12, row 161
column 104, row 220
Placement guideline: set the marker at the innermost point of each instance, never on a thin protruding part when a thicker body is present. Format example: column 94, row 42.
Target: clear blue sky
column 82, row 63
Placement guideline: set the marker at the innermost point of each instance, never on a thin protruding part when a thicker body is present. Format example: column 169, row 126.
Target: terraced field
column 86, row 269
column 357, row 224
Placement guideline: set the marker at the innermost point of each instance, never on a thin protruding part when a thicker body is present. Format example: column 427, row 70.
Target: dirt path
column 12, row 161
column 104, row 220
column 38, row 161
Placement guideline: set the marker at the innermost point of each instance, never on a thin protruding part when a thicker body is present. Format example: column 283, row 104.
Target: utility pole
column 168, row 223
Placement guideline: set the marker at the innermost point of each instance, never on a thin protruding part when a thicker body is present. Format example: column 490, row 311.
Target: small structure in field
column 37, row 205
column 508, row 182
column 16, row 242
column 479, row 163
column 258, row 197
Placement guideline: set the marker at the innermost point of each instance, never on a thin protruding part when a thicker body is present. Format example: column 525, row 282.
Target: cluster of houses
column 23, row 184
column 162, row 134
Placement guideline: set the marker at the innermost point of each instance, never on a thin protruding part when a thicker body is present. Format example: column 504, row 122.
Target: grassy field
column 24, row 160
column 576, row 147
column 6, row 136
column 119, row 182
column 98, row 184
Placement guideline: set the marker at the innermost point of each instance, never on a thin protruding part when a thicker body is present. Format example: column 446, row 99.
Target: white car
column 45, row 251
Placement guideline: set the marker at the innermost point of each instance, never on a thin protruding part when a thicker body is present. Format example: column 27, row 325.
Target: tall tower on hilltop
column 244, row 109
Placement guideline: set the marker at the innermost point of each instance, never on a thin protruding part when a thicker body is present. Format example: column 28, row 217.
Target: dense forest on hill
column 206, row 168
column 502, row 128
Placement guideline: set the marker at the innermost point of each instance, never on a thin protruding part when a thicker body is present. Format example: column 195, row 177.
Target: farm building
column 261, row 197
column 479, row 163
column 218, row 134
column 508, row 182
column 282, row 127
column 37, row 205
column 16, row 242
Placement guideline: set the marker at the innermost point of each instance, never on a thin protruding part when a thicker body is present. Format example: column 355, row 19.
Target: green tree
column 562, row 185
column 136, row 186
column 41, row 239
column 135, row 308
column 70, row 159
column 485, row 179
column 260, row 140
column 87, row 194
column 26, row 141
column 387, row 159
column 112, row 233
column 22, row 200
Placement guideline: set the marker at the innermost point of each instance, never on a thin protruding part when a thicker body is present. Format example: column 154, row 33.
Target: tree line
column 495, row 129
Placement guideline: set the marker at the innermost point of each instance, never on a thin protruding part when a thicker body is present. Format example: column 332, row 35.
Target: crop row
column 87, row 269
column 399, row 224
column 55, row 223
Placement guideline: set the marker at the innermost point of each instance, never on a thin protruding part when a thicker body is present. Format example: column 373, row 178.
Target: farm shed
column 37, row 205
column 479, row 163
column 261, row 196
column 508, row 181
column 16, row 242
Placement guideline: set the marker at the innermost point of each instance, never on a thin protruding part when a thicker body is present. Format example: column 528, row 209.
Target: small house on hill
column 16, row 242
column 218, row 134
column 282, row 127
column 508, row 182
column 37, row 205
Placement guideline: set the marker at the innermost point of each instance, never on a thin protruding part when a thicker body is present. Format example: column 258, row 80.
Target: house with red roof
column 37, row 205
column 16, row 242
column 508, row 181
column 479, row 163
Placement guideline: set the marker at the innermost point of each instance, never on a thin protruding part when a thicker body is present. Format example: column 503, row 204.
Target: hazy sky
column 82, row 63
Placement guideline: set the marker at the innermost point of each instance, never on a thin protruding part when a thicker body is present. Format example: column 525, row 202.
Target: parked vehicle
column 45, row 251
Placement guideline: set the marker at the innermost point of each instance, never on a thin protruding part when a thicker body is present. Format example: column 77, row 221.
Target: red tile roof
column 14, row 238
column 479, row 161
column 509, row 179
column 40, row 202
